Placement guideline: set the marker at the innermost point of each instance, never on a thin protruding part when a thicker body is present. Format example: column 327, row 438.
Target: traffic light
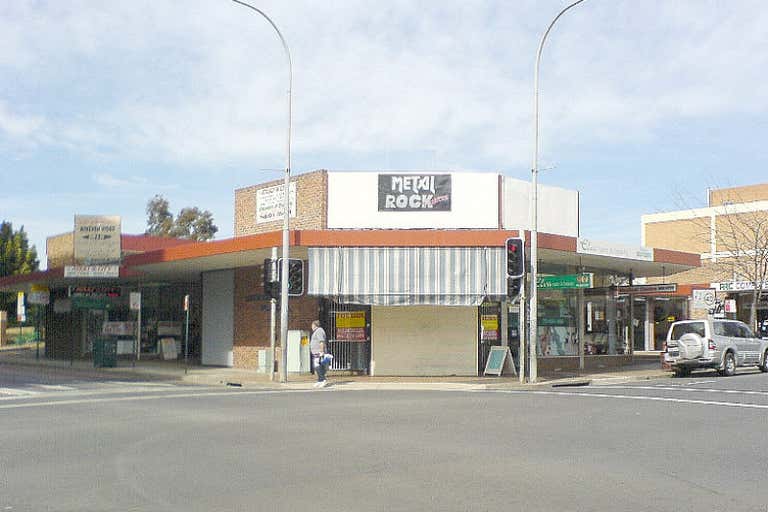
column 514, row 286
column 295, row 276
column 271, row 279
column 515, row 258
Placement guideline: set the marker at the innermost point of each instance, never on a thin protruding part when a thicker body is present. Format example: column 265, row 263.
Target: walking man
column 317, row 347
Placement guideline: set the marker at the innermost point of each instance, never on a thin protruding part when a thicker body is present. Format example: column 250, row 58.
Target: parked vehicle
column 714, row 343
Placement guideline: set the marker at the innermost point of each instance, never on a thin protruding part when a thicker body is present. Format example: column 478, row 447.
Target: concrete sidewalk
column 177, row 371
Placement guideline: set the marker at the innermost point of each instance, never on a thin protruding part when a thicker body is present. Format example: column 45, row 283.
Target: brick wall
column 311, row 198
column 735, row 195
column 252, row 316
column 679, row 235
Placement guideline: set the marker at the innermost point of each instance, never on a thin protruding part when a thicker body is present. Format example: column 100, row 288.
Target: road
column 70, row 444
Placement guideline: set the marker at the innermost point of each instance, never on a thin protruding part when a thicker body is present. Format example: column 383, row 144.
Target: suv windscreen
column 678, row 330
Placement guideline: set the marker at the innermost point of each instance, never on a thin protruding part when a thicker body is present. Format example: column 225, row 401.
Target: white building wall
column 423, row 340
column 218, row 318
column 558, row 208
column 353, row 203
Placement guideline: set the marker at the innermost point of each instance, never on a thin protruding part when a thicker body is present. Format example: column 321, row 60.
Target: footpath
column 178, row 371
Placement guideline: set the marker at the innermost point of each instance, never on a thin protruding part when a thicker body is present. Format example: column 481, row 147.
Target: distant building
column 720, row 233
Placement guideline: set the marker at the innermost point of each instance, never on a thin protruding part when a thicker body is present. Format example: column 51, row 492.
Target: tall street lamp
column 286, row 212
column 534, row 320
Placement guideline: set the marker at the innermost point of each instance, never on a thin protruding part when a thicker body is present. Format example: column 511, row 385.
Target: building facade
column 731, row 236
column 406, row 271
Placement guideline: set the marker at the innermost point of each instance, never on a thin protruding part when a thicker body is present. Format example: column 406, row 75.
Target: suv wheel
column 764, row 366
column 729, row 365
column 681, row 372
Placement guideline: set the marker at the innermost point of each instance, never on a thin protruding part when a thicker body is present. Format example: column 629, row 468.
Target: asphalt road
column 671, row 444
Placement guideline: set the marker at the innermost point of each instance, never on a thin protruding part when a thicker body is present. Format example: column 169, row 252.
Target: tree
column 16, row 257
column 743, row 238
column 190, row 223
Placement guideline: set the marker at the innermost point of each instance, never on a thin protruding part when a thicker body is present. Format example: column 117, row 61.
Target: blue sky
column 644, row 104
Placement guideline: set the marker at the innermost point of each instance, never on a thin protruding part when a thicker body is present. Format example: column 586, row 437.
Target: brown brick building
column 730, row 234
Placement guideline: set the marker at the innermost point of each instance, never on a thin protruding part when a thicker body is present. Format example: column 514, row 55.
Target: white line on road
column 143, row 397
column 637, row 397
column 15, row 392
column 693, row 390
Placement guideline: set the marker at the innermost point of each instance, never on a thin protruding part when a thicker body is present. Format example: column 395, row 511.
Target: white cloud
column 205, row 85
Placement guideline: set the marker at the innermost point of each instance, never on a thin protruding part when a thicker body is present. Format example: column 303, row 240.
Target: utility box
column 298, row 351
column 104, row 353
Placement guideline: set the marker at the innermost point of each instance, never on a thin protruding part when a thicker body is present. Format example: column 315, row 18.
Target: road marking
column 636, row 397
column 145, row 397
column 54, row 387
column 693, row 390
column 16, row 392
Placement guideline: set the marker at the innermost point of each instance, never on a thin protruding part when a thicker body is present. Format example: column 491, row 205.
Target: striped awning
column 402, row 276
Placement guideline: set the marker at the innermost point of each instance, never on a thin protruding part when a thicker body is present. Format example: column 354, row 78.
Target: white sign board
column 737, row 286
column 40, row 297
column 134, row 301
column 270, row 201
column 97, row 239
column 558, row 207
column 730, row 306
column 118, row 328
column 356, row 200
column 703, row 299
column 598, row 248
column 92, row 271
column 21, row 310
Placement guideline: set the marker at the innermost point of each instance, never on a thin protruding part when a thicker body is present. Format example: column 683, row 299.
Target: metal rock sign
column 414, row 192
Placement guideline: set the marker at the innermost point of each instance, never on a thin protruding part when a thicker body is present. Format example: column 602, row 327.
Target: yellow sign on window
column 349, row 319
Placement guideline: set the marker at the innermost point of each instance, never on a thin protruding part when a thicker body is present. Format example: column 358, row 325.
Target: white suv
column 719, row 344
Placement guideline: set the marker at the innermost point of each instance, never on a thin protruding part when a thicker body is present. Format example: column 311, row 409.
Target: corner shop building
column 406, row 272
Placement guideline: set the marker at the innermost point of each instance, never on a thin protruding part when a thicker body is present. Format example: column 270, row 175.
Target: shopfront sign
column 94, row 291
column 564, row 282
column 97, row 239
column 350, row 326
column 92, row 271
column 490, row 327
column 649, row 289
column 730, row 306
column 599, row 248
column 737, row 286
column 270, row 202
column 414, row 192
column 39, row 295
column 95, row 302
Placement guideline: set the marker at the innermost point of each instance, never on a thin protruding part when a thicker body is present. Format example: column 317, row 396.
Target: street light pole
column 286, row 212
column 533, row 336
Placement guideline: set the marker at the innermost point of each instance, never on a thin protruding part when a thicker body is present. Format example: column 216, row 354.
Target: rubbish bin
column 104, row 353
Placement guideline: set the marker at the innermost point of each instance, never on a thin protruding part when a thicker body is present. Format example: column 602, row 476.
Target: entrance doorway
column 348, row 328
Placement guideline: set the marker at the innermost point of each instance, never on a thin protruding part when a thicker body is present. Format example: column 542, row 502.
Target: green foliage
column 16, row 257
column 191, row 223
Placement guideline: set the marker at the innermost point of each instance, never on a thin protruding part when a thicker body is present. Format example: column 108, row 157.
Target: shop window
column 557, row 324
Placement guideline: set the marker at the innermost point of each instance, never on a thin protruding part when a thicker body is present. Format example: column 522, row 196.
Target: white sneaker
column 317, row 384
column 323, row 384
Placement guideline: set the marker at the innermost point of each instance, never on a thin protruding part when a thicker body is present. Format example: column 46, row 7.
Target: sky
column 644, row 104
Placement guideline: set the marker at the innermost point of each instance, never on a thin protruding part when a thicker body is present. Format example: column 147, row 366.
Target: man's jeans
column 320, row 369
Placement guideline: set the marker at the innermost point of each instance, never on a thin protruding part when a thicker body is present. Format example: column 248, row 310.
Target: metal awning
column 404, row 276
